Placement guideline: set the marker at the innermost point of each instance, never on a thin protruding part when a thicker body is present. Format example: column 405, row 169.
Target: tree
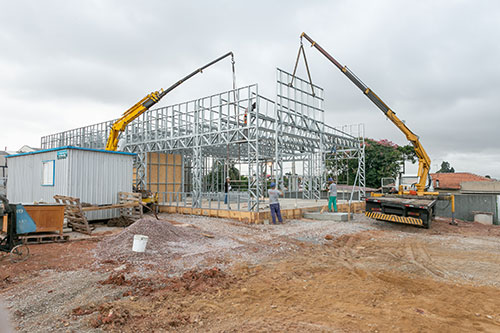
column 446, row 168
column 215, row 179
column 383, row 158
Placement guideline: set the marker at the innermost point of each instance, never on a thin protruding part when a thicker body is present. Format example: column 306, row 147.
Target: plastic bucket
column 139, row 244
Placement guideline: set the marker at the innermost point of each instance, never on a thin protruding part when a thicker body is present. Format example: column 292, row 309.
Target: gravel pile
column 164, row 241
column 178, row 243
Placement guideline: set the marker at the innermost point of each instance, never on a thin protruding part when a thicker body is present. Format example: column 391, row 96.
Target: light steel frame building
column 285, row 139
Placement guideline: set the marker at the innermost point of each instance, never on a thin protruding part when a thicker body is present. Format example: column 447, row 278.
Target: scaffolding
column 185, row 151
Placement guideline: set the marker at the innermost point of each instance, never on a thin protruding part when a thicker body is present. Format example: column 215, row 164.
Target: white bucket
column 139, row 244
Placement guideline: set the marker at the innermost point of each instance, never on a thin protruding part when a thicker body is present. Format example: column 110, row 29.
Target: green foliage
column 214, row 180
column 446, row 168
column 383, row 158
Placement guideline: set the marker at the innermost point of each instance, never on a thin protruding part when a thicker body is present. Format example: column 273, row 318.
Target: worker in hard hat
column 227, row 189
column 332, row 195
column 274, row 204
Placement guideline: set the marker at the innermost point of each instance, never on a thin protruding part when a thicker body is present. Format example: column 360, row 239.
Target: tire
column 19, row 253
column 430, row 217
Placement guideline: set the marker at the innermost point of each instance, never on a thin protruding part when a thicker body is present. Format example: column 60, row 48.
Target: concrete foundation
column 338, row 217
column 290, row 209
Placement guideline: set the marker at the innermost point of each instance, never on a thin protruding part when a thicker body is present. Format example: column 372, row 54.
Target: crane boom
column 147, row 102
column 424, row 162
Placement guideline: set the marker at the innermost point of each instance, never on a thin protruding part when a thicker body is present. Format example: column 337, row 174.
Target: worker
column 245, row 116
column 227, row 188
column 332, row 195
column 274, row 204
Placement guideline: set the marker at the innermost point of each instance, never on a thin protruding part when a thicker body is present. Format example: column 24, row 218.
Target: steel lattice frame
column 224, row 129
column 300, row 126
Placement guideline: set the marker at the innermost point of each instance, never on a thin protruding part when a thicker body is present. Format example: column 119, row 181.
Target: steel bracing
column 285, row 140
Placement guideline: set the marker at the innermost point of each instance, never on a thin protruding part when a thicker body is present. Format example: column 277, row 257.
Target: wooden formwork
column 260, row 217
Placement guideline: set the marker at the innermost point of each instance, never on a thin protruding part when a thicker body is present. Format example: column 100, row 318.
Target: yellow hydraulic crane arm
column 135, row 111
column 147, row 102
column 424, row 162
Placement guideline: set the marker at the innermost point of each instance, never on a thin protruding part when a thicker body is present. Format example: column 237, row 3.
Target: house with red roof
column 453, row 182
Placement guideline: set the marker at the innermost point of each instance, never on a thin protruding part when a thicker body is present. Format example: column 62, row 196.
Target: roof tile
column 452, row 181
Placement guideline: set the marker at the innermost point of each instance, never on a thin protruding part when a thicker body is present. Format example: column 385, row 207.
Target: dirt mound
column 116, row 314
column 121, row 221
column 442, row 225
column 206, row 280
column 116, row 279
column 166, row 242
column 110, row 317
column 192, row 281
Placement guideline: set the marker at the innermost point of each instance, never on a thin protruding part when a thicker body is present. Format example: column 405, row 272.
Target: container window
column 48, row 172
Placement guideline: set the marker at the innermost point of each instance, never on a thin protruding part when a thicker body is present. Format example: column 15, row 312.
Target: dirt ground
column 314, row 276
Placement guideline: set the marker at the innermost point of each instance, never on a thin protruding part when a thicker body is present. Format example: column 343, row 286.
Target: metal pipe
column 199, row 70
column 453, row 210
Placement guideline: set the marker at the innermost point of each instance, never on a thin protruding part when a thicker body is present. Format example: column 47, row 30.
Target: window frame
column 53, row 172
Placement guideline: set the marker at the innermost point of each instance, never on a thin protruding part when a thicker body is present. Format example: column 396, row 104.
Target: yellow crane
column 409, row 206
column 148, row 101
column 142, row 106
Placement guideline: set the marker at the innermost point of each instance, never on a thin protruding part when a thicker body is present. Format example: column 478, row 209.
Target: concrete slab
column 483, row 217
column 327, row 216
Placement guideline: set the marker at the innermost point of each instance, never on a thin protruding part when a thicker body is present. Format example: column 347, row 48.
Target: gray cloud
column 67, row 64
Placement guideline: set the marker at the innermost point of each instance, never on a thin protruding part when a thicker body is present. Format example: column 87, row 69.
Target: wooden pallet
column 131, row 205
column 41, row 238
column 73, row 213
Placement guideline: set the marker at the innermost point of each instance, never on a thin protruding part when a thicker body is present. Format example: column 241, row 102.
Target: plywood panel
column 163, row 158
column 170, row 173
column 153, row 173
column 153, row 158
column 48, row 218
column 165, row 175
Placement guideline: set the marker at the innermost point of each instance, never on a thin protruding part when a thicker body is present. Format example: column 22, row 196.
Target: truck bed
column 417, row 202
column 402, row 209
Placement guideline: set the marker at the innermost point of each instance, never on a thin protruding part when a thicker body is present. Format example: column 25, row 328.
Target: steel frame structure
column 240, row 128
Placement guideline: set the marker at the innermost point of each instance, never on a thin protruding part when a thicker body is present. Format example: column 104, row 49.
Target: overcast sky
column 67, row 64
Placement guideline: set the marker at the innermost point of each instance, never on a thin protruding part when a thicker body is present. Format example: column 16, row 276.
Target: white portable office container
column 95, row 176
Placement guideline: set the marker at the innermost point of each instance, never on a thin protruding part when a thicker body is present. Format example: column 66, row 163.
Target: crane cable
column 234, row 71
column 302, row 51
column 236, row 112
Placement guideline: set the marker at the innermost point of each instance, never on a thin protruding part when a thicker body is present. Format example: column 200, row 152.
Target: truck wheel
column 428, row 220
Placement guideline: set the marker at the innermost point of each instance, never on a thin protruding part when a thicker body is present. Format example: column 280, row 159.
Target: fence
column 466, row 204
